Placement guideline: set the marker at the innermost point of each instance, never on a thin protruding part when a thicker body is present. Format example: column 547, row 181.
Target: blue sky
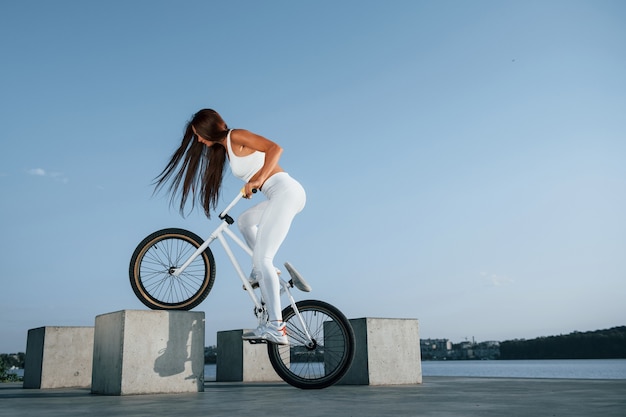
column 464, row 161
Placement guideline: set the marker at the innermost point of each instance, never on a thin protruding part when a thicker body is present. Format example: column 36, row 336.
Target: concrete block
column 387, row 352
column 148, row 352
column 238, row 360
column 58, row 357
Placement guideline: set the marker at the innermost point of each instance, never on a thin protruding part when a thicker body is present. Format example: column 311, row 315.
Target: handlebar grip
column 254, row 190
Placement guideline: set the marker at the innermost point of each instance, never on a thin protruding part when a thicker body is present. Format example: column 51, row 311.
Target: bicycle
column 174, row 269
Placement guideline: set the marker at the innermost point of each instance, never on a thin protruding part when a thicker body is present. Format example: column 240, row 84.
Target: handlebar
column 232, row 204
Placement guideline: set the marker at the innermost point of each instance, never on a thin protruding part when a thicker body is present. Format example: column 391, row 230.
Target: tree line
column 7, row 362
column 599, row 344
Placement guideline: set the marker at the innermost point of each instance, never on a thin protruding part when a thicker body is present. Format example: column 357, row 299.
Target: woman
column 198, row 165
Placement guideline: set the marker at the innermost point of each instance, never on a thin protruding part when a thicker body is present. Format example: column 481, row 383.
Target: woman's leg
column 286, row 199
column 248, row 222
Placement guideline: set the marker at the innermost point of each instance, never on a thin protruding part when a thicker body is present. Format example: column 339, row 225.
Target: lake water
column 547, row 368
column 565, row 368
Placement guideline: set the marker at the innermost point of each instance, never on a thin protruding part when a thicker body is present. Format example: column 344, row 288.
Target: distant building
column 487, row 350
column 435, row 349
column 443, row 349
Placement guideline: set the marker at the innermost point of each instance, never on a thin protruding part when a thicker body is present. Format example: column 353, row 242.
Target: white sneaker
column 268, row 332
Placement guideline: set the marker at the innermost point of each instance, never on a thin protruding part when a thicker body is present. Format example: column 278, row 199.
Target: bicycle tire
column 324, row 363
column 157, row 256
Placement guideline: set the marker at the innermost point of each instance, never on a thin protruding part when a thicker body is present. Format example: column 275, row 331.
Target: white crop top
column 244, row 167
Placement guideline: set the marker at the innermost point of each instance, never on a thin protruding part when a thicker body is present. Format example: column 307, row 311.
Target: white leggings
column 265, row 227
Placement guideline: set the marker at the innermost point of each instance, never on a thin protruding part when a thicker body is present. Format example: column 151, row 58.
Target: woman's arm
column 244, row 143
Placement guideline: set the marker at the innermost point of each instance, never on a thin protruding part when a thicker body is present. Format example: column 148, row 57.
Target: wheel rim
column 156, row 268
column 321, row 360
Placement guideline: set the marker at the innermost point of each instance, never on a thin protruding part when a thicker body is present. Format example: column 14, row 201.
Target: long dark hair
column 201, row 167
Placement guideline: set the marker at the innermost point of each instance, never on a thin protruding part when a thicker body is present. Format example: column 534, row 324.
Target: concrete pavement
column 437, row 396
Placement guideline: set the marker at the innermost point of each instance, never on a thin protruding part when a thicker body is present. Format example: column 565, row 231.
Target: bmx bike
column 174, row 269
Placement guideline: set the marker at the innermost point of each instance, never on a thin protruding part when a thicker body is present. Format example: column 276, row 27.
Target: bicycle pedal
column 257, row 341
column 254, row 286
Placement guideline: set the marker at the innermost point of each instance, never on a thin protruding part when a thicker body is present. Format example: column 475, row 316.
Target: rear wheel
column 316, row 363
column 154, row 261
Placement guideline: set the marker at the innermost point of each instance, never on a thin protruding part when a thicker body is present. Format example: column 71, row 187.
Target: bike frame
column 219, row 234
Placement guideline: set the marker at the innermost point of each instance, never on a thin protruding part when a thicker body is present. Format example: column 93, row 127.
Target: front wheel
column 154, row 261
column 320, row 361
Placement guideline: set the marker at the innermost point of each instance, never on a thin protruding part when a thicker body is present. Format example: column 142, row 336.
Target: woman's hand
column 251, row 188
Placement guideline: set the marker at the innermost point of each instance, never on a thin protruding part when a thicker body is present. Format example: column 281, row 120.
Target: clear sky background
column 465, row 161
